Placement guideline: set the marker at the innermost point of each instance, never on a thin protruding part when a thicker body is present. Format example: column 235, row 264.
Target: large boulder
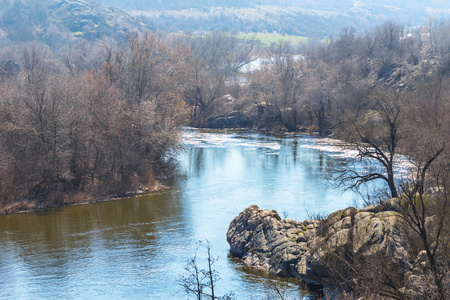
column 310, row 250
column 262, row 240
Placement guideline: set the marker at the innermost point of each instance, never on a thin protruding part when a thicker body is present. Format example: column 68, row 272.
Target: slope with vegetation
column 304, row 18
column 59, row 22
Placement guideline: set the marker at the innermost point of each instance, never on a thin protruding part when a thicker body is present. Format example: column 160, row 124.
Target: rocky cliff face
column 343, row 248
column 88, row 20
column 60, row 22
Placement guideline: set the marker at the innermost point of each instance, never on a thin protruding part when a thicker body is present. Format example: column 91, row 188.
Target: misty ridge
column 57, row 22
column 305, row 18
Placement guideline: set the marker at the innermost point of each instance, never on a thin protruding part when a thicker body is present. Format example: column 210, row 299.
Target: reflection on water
column 137, row 248
column 95, row 250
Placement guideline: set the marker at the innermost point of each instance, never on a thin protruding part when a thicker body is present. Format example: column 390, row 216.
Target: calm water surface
column 137, row 248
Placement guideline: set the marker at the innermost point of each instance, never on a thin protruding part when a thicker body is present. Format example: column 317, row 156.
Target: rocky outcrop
column 262, row 240
column 314, row 250
column 90, row 20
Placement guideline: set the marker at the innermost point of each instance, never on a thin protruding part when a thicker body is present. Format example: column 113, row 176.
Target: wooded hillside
column 305, row 18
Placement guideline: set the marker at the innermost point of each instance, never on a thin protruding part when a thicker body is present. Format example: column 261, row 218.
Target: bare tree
column 426, row 212
column 320, row 89
column 369, row 44
column 427, row 216
column 202, row 282
column 285, row 75
column 413, row 45
column 66, row 134
column 193, row 282
column 376, row 136
column 389, row 35
column 217, row 60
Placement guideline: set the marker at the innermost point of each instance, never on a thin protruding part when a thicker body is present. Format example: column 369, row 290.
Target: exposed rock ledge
column 305, row 250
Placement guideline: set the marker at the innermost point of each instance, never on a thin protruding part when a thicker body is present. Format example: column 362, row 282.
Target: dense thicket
column 321, row 84
column 71, row 133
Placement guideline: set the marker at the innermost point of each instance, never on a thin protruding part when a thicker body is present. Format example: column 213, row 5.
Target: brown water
column 137, row 248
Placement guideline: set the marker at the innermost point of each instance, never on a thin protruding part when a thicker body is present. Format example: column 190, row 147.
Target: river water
column 137, row 248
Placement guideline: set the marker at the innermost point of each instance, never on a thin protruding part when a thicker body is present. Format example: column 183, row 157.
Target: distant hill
column 307, row 18
column 56, row 22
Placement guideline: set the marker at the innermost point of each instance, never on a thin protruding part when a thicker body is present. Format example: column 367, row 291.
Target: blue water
column 137, row 248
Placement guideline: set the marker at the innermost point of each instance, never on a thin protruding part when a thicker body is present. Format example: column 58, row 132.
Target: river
column 137, row 248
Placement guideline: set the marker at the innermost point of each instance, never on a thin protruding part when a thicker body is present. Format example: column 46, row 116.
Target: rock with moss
column 264, row 241
column 315, row 251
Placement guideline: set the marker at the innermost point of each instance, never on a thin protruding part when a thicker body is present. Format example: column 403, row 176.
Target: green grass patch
column 292, row 239
column 266, row 39
column 269, row 38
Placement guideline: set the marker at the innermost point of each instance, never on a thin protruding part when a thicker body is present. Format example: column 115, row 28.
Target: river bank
column 189, row 138
column 82, row 198
column 25, row 206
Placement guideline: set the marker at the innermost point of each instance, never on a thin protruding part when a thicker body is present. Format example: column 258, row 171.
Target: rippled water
column 137, row 248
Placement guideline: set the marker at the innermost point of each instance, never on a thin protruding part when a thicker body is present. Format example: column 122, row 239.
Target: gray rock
column 392, row 204
column 216, row 122
column 262, row 240
column 301, row 249
column 371, row 208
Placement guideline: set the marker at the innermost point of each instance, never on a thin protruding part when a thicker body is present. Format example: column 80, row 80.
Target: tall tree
column 377, row 136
